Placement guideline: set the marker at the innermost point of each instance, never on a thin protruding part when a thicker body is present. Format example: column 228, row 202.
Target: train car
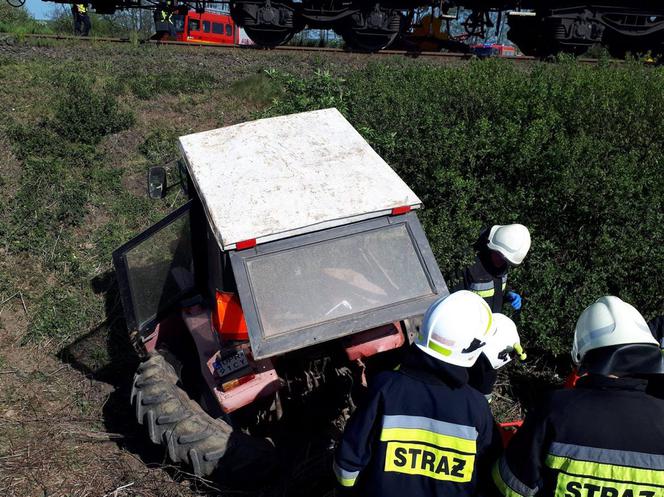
column 206, row 27
column 537, row 27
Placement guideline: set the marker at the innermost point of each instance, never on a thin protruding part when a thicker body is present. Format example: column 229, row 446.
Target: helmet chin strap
column 634, row 359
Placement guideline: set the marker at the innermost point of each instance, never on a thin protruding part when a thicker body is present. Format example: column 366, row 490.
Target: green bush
column 574, row 152
column 86, row 115
column 61, row 170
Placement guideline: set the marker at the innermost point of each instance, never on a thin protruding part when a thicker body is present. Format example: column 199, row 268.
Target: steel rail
column 293, row 48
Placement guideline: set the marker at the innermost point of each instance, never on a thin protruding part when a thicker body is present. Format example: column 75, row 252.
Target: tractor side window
column 217, row 28
column 194, row 25
column 229, row 30
column 156, row 270
column 206, row 26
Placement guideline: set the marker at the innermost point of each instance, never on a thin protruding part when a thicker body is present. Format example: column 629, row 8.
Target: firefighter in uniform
column 605, row 437
column 422, row 430
column 503, row 346
column 497, row 248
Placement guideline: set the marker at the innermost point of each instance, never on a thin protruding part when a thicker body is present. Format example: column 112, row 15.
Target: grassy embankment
column 573, row 152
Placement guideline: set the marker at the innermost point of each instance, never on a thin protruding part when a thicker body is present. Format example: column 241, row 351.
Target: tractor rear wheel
column 191, row 436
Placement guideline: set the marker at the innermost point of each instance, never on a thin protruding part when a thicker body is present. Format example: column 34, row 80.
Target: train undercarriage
column 363, row 27
column 574, row 28
column 536, row 28
column 546, row 29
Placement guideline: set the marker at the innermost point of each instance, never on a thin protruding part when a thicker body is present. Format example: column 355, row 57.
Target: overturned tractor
column 295, row 271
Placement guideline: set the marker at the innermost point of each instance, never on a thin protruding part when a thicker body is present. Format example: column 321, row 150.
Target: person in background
column 605, row 437
column 163, row 20
column 497, row 248
column 422, row 430
column 82, row 23
column 501, row 348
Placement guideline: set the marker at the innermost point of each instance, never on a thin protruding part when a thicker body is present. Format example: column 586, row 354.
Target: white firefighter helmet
column 512, row 241
column 504, row 343
column 455, row 328
column 609, row 321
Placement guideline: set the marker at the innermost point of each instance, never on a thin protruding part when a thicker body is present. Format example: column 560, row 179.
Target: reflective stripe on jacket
column 421, row 431
column 479, row 280
column 604, row 438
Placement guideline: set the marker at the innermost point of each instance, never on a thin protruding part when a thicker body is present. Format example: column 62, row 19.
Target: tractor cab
column 298, row 242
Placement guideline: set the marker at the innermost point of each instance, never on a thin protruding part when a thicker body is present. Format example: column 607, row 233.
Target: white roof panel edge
column 284, row 176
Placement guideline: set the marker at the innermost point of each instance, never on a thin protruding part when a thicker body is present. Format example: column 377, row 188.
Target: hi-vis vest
column 478, row 280
column 167, row 12
column 416, row 445
column 487, row 288
column 605, row 438
column 417, row 436
column 423, row 446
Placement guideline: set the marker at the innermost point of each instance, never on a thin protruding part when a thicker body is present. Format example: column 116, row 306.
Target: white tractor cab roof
column 312, row 230
column 274, row 178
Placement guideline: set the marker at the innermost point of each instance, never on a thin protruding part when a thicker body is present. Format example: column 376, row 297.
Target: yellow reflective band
column 484, row 293
column 504, row 286
column 441, row 350
column 432, row 462
column 344, row 477
column 580, row 486
column 503, row 487
column 607, row 471
column 346, row 482
column 430, row 437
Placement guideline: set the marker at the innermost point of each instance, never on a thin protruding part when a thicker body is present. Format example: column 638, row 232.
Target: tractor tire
column 174, row 420
column 191, row 436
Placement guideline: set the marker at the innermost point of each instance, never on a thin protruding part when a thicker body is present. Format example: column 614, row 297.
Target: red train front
column 208, row 27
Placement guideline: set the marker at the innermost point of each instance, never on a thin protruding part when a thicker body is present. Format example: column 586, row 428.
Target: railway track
column 292, row 48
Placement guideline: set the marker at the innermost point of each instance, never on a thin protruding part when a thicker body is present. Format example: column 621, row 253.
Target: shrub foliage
column 573, row 152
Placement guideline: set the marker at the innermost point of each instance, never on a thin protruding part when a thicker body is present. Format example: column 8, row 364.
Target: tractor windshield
column 321, row 286
column 327, row 280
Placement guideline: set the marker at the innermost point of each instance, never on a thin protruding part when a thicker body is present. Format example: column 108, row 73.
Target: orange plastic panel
column 374, row 341
column 228, row 318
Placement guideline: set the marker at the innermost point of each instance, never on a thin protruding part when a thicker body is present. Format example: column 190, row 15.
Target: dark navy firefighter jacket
column 421, row 432
column 603, row 438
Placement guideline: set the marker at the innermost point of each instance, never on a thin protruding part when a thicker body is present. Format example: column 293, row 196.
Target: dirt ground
column 66, row 425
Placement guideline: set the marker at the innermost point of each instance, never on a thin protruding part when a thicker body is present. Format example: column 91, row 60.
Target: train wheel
column 269, row 37
column 366, row 41
column 372, row 30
